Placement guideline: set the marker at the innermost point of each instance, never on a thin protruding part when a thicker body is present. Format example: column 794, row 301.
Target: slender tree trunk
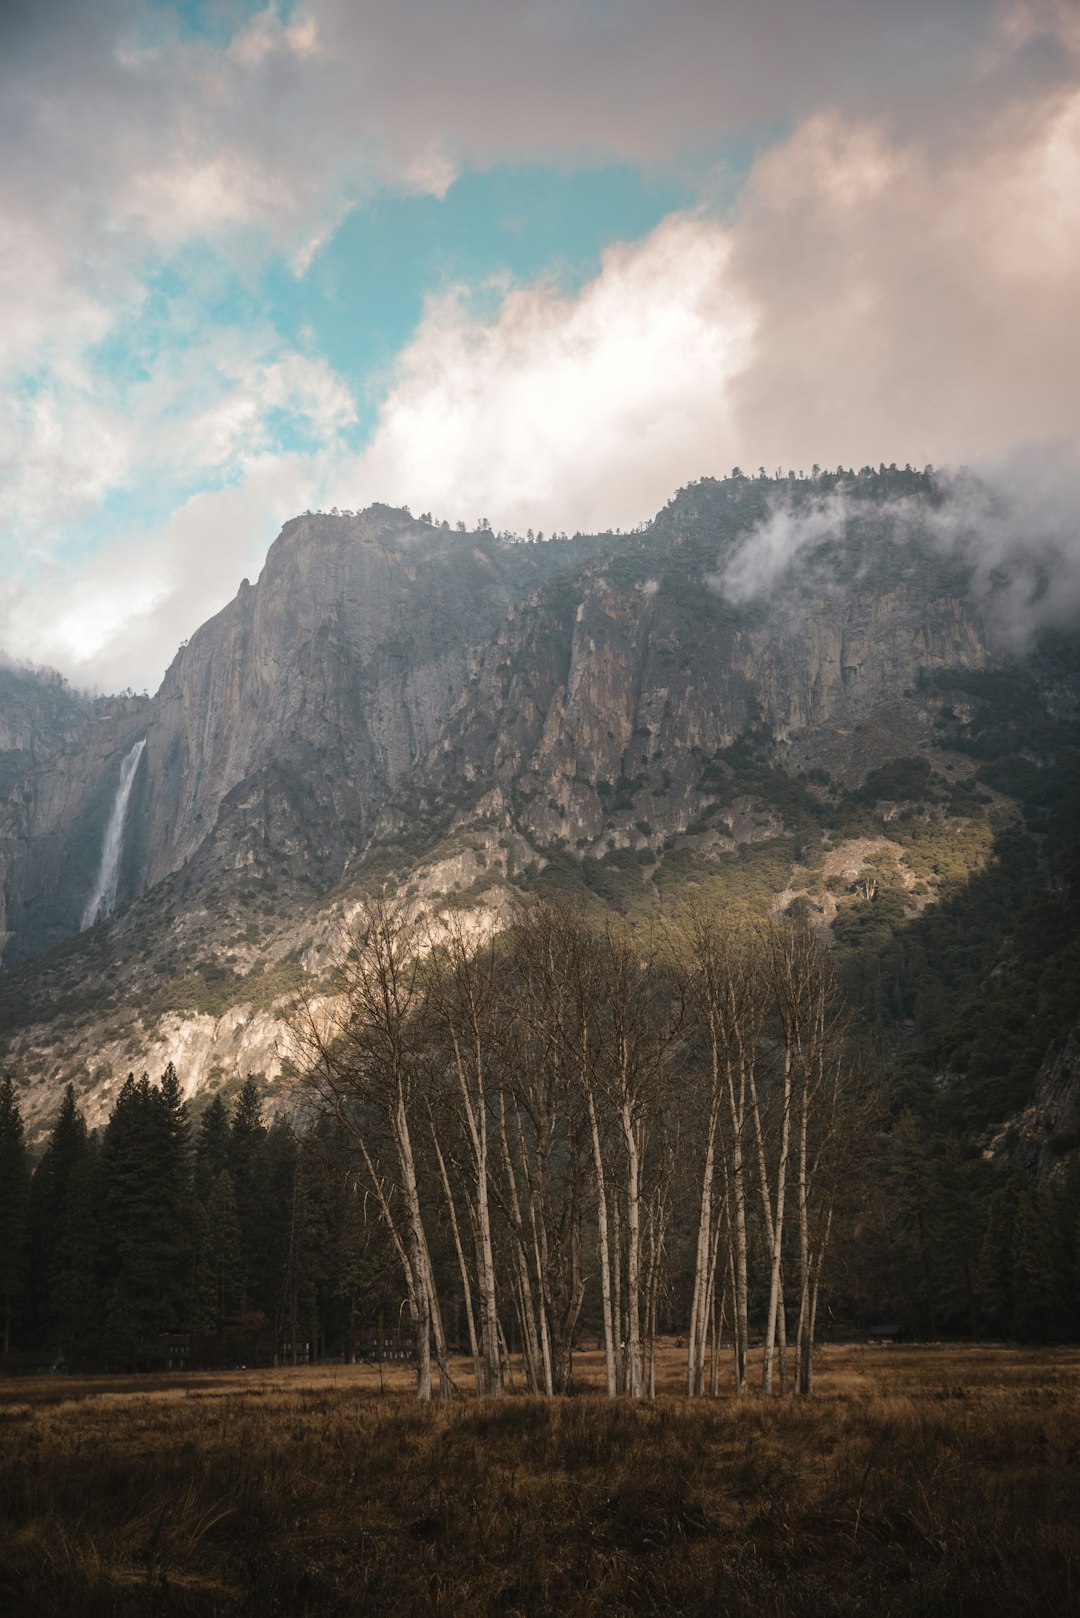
column 489, row 1317
column 463, row 1268
column 802, row 1334
column 718, row 1338
column 564, row 1368
column 421, row 1265
column 778, row 1225
column 699, row 1319
column 529, row 1336
column 620, row 1314
column 738, row 1199
column 507, row 1361
column 633, row 1252
column 542, row 1310
column 605, row 1258
column 807, row 1376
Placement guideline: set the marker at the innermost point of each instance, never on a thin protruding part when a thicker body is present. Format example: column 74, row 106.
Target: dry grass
column 918, row 1481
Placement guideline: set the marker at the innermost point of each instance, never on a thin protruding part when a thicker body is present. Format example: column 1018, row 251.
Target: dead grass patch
column 917, row 1481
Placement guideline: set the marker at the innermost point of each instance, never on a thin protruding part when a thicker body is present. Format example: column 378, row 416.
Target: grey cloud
column 1013, row 525
column 908, row 306
column 120, row 140
column 911, row 255
column 486, row 80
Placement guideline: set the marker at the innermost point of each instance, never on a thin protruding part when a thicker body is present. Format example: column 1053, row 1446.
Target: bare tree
column 462, row 997
column 835, row 1106
column 726, row 993
column 363, row 1055
column 639, row 1020
column 546, row 968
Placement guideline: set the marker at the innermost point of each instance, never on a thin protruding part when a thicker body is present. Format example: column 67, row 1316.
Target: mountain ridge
column 466, row 716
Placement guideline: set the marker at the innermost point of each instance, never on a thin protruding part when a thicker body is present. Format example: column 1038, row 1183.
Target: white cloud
column 205, row 410
column 570, row 411
column 1015, row 526
column 863, row 305
column 121, row 141
column 936, row 316
column 115, row 618
column 900, row 279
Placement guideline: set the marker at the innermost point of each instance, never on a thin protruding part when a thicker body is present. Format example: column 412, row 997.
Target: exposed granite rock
column 393, row 699
column 1045, row 1137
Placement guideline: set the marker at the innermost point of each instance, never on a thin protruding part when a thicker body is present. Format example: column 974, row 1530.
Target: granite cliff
column 465, row 714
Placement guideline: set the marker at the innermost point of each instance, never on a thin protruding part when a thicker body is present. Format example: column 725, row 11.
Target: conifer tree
column 247, row 1165
column 212, row 1147
column 56, row 1198
column 218, row 1264
column 14, row 1209
column 289, row 1267
column 1037, row 1270
column 996, row 1264
column 147, row 1246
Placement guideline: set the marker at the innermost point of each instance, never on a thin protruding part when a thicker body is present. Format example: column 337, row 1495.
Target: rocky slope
column 280, row 726
column 465, row 715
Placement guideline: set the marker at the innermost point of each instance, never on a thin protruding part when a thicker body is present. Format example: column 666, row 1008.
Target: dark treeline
column 245, row 1236
column 512, row 1147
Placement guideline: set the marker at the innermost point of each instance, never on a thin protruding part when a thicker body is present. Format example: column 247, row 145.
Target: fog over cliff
column 1015, row 526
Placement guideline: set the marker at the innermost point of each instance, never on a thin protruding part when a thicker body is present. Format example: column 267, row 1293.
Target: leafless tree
column 545, row 978
column 363, row 1053
column 461, row 981
column 725, row 994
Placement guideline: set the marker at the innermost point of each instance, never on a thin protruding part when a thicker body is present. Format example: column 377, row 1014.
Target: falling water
column 102, row 900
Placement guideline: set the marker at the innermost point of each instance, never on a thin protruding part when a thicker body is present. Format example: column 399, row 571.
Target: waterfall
column 102, row 901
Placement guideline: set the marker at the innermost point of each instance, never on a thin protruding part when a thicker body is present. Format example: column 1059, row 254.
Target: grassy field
column 918, row 1481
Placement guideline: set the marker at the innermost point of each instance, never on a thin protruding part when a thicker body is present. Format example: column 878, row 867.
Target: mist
column 1011, row 525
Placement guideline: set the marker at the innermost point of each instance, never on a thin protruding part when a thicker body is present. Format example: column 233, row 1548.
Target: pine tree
column 247, row 1165
column 1038, row 1270
column 915, row 1189
column 996, row 1264
column 147, row 1247
column 76, row 1293
column 57, row 1195
column 14, row 1208
column 335, row 1214
column 289, row 1255
column 224, row 1227
column 212, row 1147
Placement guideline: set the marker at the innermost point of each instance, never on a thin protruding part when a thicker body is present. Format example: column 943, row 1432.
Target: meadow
column 922, row 1480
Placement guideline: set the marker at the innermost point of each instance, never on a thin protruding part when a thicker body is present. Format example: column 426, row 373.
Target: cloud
column 1014, row 526
column 112, row 615
column 898, row 279
column 863, row 303
column 895, row 330
column 790, row 530
column 123, row 140
column 570, row 411
column 913, row 308
column 117, row 617
column 212, row 405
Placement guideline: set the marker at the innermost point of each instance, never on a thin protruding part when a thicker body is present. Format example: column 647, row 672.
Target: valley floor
column 922, row 1480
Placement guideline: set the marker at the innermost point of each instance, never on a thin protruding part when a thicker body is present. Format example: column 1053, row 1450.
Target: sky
column 539, row 261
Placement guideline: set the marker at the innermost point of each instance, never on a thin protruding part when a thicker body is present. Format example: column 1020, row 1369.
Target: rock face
column 52, row 823
column 580, row 704
column 376, row 649
column 296, row 709
column 392, row 698
column 279, row 727
column 40, row 717
column 1044, row 1137
column 39, row 714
